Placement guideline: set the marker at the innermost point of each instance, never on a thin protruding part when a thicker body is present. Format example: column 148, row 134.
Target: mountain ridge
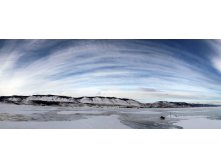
column 96, row 101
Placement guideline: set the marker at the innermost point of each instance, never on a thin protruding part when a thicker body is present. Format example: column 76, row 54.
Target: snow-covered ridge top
column 96, row 100
column 93, row 101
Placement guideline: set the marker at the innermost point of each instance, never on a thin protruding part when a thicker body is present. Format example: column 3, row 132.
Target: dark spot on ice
column 162, row 117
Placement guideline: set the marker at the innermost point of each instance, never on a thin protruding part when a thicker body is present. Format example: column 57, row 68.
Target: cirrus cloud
column 147, row 70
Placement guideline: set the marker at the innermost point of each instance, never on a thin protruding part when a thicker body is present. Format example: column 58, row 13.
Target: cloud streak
column 146, row 70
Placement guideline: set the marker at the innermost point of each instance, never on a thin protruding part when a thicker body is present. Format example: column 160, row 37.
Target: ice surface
column 38, row 117
column 96, row 122
column 199, row 123
column 23, row 109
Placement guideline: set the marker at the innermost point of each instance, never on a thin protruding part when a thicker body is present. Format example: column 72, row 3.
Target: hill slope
column 47, row 100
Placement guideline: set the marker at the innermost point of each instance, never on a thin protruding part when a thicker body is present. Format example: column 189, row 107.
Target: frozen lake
column 44, row 117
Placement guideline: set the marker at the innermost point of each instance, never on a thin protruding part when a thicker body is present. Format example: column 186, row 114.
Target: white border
column 110, row 148
column 129, row 19
column 110, row 19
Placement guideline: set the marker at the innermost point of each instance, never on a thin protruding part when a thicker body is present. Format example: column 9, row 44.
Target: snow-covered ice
column 95, row 122
column 38, row 117
column 199, row 123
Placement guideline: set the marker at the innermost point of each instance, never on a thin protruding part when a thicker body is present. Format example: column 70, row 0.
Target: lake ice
column 45, row 117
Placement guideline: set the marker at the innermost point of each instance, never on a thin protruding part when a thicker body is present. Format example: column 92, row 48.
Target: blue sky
column 145, row 70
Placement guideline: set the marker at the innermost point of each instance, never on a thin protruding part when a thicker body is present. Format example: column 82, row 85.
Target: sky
column 144, row 70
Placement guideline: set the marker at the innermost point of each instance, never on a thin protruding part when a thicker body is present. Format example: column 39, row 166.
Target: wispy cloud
column 145, row 70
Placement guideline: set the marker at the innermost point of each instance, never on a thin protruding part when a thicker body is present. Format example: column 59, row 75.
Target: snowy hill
column 70, row 101
column 166, row 104
column 47, row 100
